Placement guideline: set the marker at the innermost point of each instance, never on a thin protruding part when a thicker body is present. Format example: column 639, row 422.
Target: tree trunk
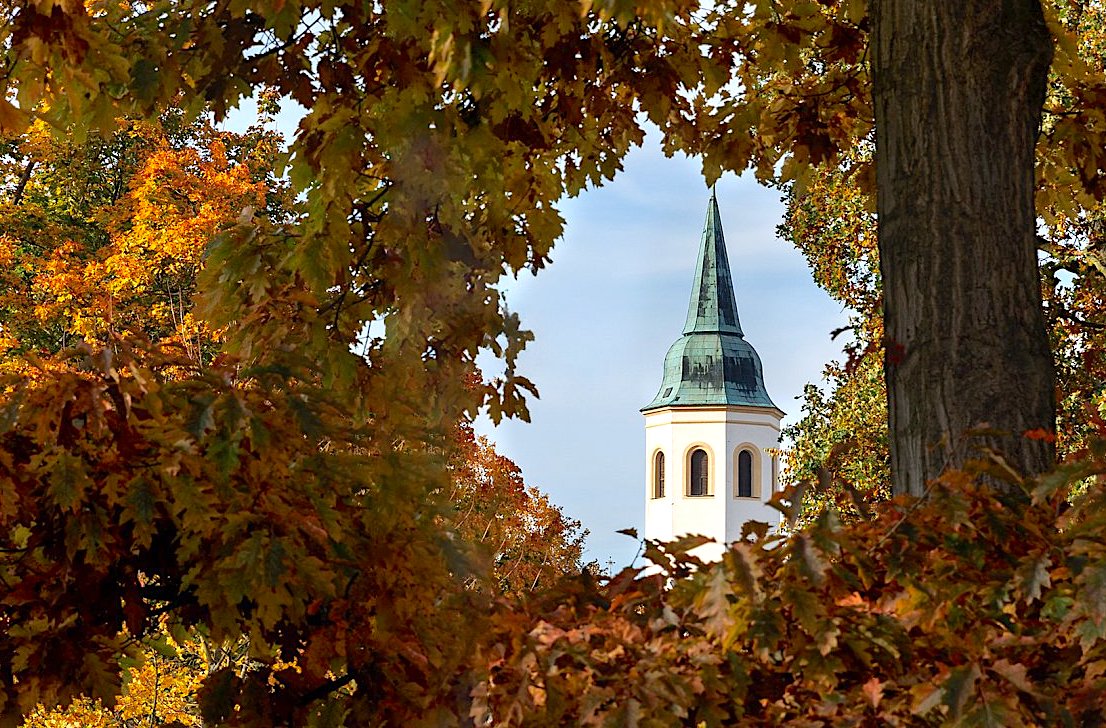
column 958, row 89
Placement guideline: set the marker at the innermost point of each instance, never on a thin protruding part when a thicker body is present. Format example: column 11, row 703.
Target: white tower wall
column 722, row 431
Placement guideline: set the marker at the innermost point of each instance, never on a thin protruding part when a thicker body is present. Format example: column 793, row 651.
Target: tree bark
column 24, row 178
column 958, row 88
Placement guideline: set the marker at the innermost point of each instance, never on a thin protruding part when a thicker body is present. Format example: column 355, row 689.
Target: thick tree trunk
column 958, row 88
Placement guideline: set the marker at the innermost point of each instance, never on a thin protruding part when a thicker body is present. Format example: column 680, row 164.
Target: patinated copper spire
column 712, row 364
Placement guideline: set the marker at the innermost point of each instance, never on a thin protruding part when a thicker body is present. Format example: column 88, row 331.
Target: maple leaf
column 1035, row 576
column 873, row 691
column 713, row 603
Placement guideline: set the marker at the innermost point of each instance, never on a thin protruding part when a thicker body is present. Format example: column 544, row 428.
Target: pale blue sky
column 607, row 309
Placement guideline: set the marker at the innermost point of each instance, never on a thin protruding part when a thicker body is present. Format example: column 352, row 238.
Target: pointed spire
column 712, row 364
column 713, row 308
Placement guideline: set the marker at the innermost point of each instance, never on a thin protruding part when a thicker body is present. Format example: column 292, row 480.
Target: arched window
column 745, row 474
column 658, row 475
column 700, row 483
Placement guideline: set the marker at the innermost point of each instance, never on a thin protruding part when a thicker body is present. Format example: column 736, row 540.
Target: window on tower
column 744, row 474
column 658, row 475
column 699, row 472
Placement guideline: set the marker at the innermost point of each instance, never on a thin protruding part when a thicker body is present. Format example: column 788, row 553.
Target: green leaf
column 1089, row 634
column 1034, row 576
column 1056, row 607
column 958, row 688
column 68, row 480
column 144, row 79
column 162, row 646
column 274, row 563
column 202, row 416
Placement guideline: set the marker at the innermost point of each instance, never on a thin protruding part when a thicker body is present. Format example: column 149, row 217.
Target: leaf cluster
column 132, row 496
column 966, row 608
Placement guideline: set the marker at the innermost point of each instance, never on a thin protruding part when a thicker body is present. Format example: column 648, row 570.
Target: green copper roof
column 712, row 364
column 712, row 308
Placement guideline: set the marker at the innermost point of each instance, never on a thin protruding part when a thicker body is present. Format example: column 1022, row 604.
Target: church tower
column 711, row 432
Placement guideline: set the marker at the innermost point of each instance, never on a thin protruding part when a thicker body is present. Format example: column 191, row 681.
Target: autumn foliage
column 530, row 542
column 970, row 608
column 159, row 470
column 234, row 374
column 104, row 238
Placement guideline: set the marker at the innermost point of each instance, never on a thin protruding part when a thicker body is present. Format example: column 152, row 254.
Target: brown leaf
column 1016, row 674
column 13, row 120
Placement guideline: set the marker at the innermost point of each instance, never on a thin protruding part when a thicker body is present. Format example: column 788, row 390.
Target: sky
column 614, row 299
column 611, row 303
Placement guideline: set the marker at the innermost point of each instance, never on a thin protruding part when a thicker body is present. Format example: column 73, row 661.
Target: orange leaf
column 873, row 691
column 1041, row 434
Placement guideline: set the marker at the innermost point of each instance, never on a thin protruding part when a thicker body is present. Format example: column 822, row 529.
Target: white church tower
column 711, row 432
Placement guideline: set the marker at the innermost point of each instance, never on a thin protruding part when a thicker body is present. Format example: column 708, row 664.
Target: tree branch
column 326, row 688
column 24, row 178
